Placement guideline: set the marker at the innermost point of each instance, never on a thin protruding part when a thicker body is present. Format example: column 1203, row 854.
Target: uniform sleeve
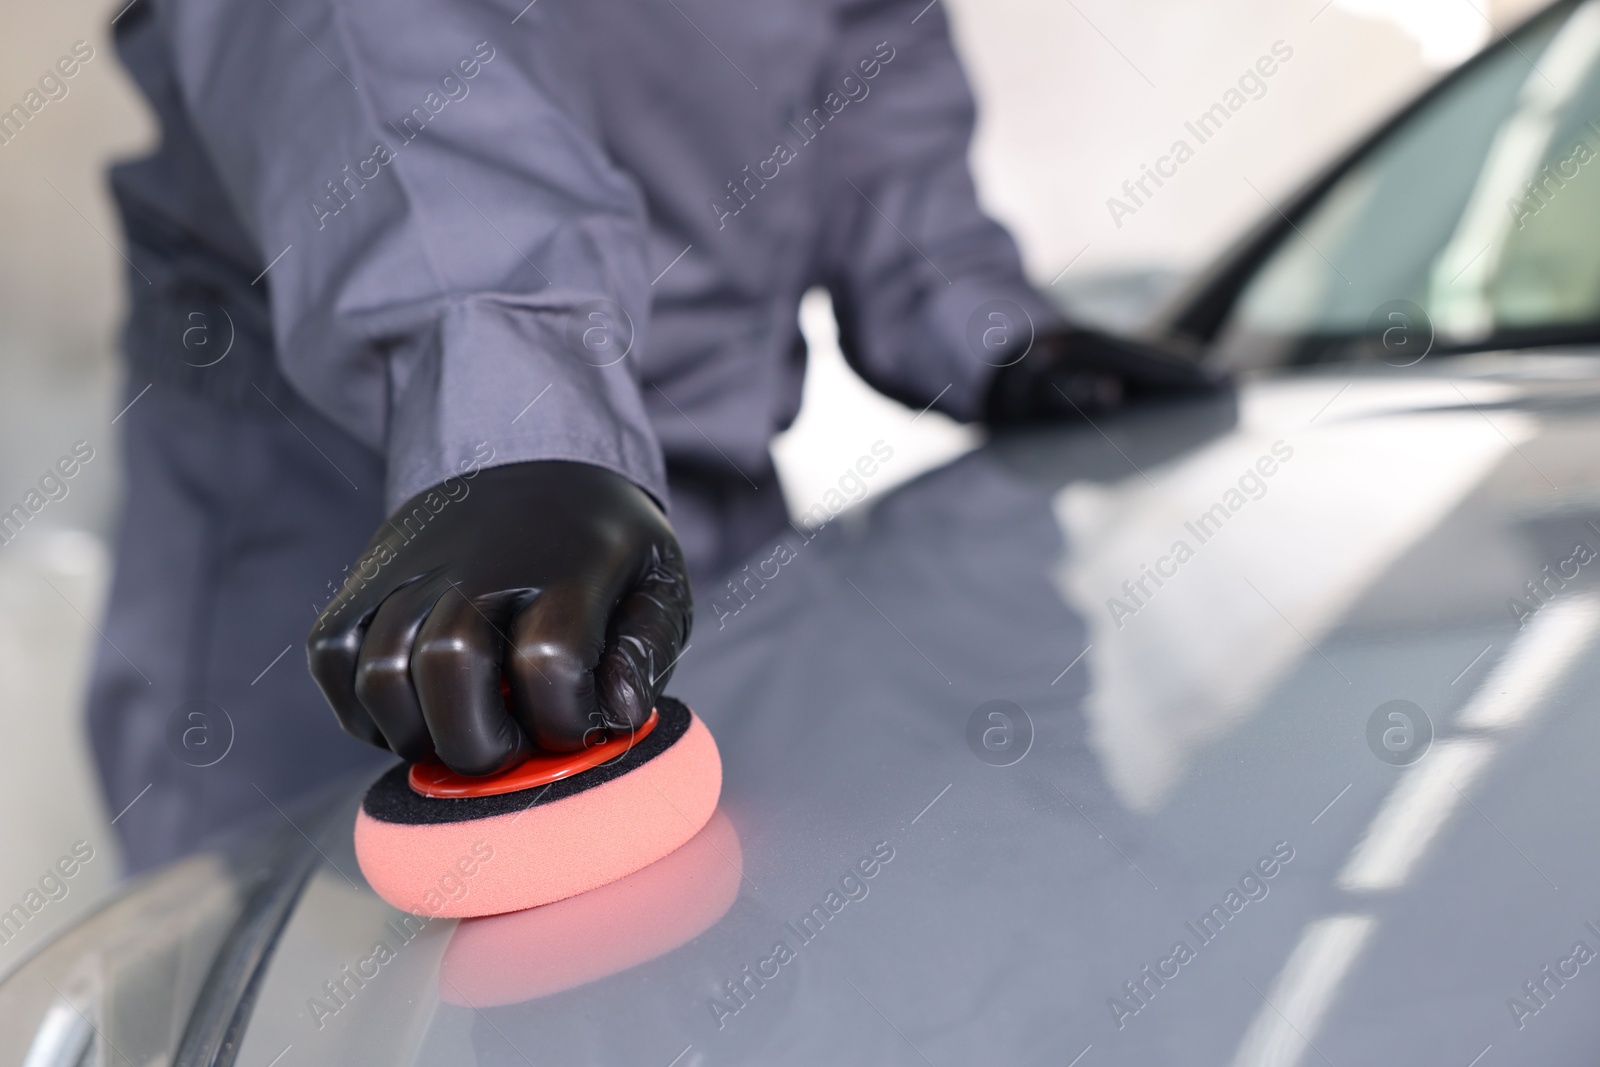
column 928, row 290
column 455, row 266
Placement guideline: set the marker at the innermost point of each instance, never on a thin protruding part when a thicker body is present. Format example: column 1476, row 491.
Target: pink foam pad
column 487, row 856
column 508, row 959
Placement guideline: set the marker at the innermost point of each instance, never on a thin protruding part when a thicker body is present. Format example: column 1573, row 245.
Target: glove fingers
column 1166, row 374
column 333, row 649
column 648, row 633
column 1087, row 392
column 383, row 670
column 455, row 666
column 556, row 642
column 1143, row 368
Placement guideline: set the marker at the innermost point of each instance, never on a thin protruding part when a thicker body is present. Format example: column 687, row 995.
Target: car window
column 1471, row 225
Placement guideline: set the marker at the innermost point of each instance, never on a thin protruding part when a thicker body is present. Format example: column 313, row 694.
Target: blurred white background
column 1075, row 96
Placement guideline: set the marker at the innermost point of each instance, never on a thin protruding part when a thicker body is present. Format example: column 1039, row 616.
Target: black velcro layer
column 391, row 798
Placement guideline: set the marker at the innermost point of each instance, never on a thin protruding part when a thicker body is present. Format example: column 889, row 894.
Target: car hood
column 1252, row 731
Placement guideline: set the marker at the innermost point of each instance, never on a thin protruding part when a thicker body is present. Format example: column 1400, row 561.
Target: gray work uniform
column 425, row 232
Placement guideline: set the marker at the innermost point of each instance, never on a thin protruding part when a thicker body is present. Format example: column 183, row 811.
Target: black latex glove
column 1084, row 373
column 563, row 579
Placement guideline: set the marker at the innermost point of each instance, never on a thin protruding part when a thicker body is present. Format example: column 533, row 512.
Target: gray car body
column 1221, row 731
column 1194, row 748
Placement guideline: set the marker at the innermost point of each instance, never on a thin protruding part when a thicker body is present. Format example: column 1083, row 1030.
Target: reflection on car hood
column 1244, row 732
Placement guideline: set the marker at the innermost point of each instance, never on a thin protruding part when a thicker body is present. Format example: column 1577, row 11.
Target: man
column 507, row 285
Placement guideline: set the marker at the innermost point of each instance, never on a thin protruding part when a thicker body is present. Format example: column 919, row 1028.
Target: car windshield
column 1470, row 225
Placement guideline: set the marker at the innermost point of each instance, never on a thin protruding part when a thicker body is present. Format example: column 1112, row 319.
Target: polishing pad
column 429, row 852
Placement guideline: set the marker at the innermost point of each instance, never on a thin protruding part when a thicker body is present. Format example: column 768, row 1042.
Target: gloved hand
column 564, row 579
column 1083, row 373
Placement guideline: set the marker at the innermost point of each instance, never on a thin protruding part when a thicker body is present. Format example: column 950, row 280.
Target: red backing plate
column 437, row 780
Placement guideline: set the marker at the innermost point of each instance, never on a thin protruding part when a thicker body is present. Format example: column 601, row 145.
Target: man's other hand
column 1082, row 373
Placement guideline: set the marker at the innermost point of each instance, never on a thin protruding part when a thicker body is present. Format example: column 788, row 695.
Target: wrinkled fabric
column 235, row 524
column 566, row 231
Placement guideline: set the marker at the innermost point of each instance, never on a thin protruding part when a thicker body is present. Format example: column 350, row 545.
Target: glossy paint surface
column 1016, row 779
